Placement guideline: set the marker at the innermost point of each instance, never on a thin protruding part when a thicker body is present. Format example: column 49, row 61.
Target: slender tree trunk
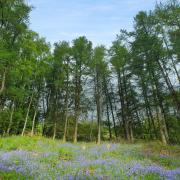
column 3, row 82
column 128, row 115
column 66, row 122
column 67, row 133
column 11, row 118
column 91, row 128
column 45, row 111
column 98, row 88
column 99, row 120
column 33, row 124
column 77, row 103
column 108, row 121
column 163, row 120
column 99, row 133
column 112, row 113
column 55, row 128
column 27, row 115
column 161, row 129
column 76, row 126
column 66, row 102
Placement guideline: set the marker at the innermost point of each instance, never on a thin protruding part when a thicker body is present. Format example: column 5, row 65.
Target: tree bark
column 161, row 129
column 108, row 121
column 55, row 128
column 27, row 115
column 91, row 128
column 127, row 113
column 3, row 82
column 77, row 101
column 98, row 90
column 66, row 121
column 33, row 124
column 11, row 118
column 66, row 102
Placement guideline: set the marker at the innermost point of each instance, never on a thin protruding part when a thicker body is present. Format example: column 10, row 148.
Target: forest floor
column 42, row 158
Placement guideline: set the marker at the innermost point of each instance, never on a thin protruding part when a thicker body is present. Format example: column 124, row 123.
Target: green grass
column 35, row 143
column 12, row 176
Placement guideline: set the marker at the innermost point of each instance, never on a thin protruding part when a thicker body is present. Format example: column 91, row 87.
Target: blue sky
column 98, row 20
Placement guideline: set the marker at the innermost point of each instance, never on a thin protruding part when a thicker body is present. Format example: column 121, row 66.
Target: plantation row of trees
column 78, row 92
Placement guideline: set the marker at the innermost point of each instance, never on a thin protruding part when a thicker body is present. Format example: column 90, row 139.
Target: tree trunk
column 127, row 113
column 3, row 82
column 11, row 118
column 161, row 129
column 108, row 121
column 66, row 102
column 77, row 102
column 27, row 115
column 98, row 88
column 121, row 95
column 54, row 132
column 76, row 126
column 66, row 121
column 91, row 128
column 34, row 118
column 112, row 113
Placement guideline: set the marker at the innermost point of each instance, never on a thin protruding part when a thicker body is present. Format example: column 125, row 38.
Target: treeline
column 77, row 92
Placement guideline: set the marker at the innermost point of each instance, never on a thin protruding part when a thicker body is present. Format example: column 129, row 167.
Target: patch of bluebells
column 12, row 167
column 26, row 163
column 8, row 155
column 87, row 163
column 5, row 167
column 139, row 169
